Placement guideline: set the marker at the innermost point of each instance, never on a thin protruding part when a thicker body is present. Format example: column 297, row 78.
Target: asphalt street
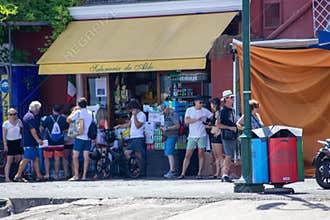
column 166, row 199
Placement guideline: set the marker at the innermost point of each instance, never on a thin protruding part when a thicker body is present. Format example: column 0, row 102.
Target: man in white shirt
column 195, row 116
column 136, row 124
column 81, row 143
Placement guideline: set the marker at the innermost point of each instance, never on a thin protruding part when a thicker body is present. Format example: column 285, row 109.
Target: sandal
column 181, row 177
column 199, row 177
column 73, row 179
column 20, row 179
column 39, row 179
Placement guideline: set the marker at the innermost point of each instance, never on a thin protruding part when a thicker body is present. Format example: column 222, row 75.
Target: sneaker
column 227, row 179
column 170, row 175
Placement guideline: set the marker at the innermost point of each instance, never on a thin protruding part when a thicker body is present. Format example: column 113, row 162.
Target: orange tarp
column 293, row 88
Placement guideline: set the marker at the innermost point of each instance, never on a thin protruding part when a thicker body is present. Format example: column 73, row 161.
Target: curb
column 14, row 206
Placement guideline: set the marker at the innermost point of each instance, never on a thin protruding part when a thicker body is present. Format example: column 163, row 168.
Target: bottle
column 179, row 89
column 175, row 90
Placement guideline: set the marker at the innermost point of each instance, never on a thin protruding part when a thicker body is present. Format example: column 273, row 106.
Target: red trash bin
column 283, row 164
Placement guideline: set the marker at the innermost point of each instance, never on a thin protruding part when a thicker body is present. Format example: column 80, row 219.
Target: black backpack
column 92, row 130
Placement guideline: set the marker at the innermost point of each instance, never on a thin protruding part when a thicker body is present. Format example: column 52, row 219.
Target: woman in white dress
column 12, row 135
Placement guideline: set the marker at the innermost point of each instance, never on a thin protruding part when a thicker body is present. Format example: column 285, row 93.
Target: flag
column 71, row 90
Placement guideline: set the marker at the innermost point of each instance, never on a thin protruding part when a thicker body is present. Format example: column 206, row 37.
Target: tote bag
column 76, row 128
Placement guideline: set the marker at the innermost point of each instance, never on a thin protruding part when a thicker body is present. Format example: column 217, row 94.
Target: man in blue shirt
column 31, row 140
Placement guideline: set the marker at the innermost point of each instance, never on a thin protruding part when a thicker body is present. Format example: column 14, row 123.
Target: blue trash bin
column 259, row 151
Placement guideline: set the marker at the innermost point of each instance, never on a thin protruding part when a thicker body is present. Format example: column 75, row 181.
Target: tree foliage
column 55, row 12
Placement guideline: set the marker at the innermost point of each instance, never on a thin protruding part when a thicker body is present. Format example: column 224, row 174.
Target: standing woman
column 12, row 135
column 216, row 143
column 256, row 121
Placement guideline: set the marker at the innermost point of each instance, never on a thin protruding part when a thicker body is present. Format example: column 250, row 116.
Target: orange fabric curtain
column 293, row 88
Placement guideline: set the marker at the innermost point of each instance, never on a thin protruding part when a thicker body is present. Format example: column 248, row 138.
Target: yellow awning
column 137, row 44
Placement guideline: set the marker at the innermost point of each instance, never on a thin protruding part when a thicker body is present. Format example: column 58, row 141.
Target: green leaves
column 7, row 9
column 53, row 11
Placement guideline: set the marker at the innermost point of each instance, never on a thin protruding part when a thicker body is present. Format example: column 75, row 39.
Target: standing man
column 55, row 126
column 195, row 116
column 136, row 124
column 228, row 127
column 171, row 132
column 31, row 141
column 81, row 143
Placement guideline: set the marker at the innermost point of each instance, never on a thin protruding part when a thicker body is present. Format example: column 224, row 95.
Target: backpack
column 56, row 133
column 92, row 129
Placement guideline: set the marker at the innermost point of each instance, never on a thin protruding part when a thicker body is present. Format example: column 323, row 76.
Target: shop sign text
column 100, row 68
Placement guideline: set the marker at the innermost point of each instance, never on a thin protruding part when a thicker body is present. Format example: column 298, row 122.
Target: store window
column 97, row 91
column 272, row 14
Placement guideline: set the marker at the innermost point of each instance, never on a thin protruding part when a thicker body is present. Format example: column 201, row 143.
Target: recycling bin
column 259, row 152
column 285, row 155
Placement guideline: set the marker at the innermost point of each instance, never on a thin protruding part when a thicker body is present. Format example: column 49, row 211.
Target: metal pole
column 79, row 86
column 10, row 86
column 246, row 185
column 234, row 81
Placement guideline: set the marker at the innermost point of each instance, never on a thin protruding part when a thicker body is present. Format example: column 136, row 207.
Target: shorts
column 216, row 140
column 81, row 145
column 55, row 152
column 14, row 147
column 194, row 143
column 229, row 147
column 136, row 144
column 31, row 153
column 68, row 146
column 170, row 145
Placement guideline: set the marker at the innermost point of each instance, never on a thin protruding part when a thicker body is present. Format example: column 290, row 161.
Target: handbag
column 76, row 128
column 228, row 134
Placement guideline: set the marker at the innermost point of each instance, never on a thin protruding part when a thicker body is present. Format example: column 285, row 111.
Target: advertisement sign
column 4, row 97
column 101, row 87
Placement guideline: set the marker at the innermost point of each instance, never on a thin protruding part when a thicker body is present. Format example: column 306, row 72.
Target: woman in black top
column 217, row 149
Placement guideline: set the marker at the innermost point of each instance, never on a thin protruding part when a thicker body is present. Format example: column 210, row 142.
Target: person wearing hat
column 171, row 133
column 195, row 117
column 228, row 135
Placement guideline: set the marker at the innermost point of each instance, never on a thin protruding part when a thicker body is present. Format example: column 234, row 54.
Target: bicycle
column 110, row 159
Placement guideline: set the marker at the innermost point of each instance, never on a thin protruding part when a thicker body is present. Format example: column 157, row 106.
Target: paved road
column 164, row 199
column 175, row 189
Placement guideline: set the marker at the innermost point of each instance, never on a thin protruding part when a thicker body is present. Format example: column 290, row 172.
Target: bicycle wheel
column 103, row 168
column 134, row 167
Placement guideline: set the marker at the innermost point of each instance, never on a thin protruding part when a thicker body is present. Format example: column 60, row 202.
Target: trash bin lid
column 260, row 132
column 272, row 130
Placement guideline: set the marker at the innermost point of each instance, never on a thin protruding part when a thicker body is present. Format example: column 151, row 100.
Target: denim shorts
column 136, row 144
column 170, row 145
column 229, row 147
column 81, row 145
column 31, row 153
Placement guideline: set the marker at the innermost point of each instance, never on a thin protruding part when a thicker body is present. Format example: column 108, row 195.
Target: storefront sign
column 4, row 97
column 100, row 68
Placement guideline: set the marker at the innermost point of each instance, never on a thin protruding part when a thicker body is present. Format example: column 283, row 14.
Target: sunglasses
column 230, row 97
column 12, row 114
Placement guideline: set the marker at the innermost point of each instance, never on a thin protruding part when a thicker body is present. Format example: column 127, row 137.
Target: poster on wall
column 101, row 87
column 4, row 86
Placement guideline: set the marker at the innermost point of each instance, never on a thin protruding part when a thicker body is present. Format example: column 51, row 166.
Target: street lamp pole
column 246, row 184
column 10, row 59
